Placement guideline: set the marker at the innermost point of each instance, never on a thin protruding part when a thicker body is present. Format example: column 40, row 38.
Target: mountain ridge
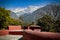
column 46, row 10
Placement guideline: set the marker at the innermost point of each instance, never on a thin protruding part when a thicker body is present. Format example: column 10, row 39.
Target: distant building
column 33, row 27
column 15, row 30
column 15, row 27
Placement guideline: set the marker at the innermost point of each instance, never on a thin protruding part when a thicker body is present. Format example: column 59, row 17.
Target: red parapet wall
column 4, row 32
column 36, row 35
column 15, row 27
column 13, row 30
column 16, row 33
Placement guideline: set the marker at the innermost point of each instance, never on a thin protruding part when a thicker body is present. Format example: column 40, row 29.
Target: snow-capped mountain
column 31, row 14
column 51, row 10
column 29, row 9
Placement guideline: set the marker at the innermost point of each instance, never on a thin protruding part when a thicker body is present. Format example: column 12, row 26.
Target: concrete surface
column 11, row 37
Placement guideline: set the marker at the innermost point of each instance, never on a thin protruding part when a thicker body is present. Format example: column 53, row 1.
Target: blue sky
column 25, row 3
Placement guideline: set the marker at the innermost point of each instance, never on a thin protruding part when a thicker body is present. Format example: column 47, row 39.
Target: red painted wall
column 16, row 33
column 17, row 28
column 4, row 32
column 14, row 27
column 11, row 31
column 36, row 35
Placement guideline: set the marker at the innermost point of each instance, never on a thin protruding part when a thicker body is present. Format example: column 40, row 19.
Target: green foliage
column 57, row 26
column 4, row 16
column 47, row 23
column 6, row 20
column 14, row 22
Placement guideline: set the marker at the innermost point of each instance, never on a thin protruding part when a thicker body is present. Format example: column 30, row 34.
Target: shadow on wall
column 20, row 38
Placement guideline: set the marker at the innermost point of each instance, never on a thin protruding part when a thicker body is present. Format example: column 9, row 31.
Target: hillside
column 51, row 10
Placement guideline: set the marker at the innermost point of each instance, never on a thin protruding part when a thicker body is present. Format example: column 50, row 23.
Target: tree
column 47, row 23
column 57, row 26
column 14, row 22
column 6, row 20
column 4, row 16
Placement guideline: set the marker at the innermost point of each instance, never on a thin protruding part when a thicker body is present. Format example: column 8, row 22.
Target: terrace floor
column 11, row 37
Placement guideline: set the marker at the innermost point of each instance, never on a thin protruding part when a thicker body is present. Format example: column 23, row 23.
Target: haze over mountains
column 51, row 10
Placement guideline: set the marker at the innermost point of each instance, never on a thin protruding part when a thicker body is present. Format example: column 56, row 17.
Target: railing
column 36, row 35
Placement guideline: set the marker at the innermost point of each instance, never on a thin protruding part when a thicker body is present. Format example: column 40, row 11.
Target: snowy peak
column 29, row 9
column 50, row 10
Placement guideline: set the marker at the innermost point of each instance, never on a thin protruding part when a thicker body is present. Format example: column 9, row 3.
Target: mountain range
column 13, row 15
column 51, row 10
